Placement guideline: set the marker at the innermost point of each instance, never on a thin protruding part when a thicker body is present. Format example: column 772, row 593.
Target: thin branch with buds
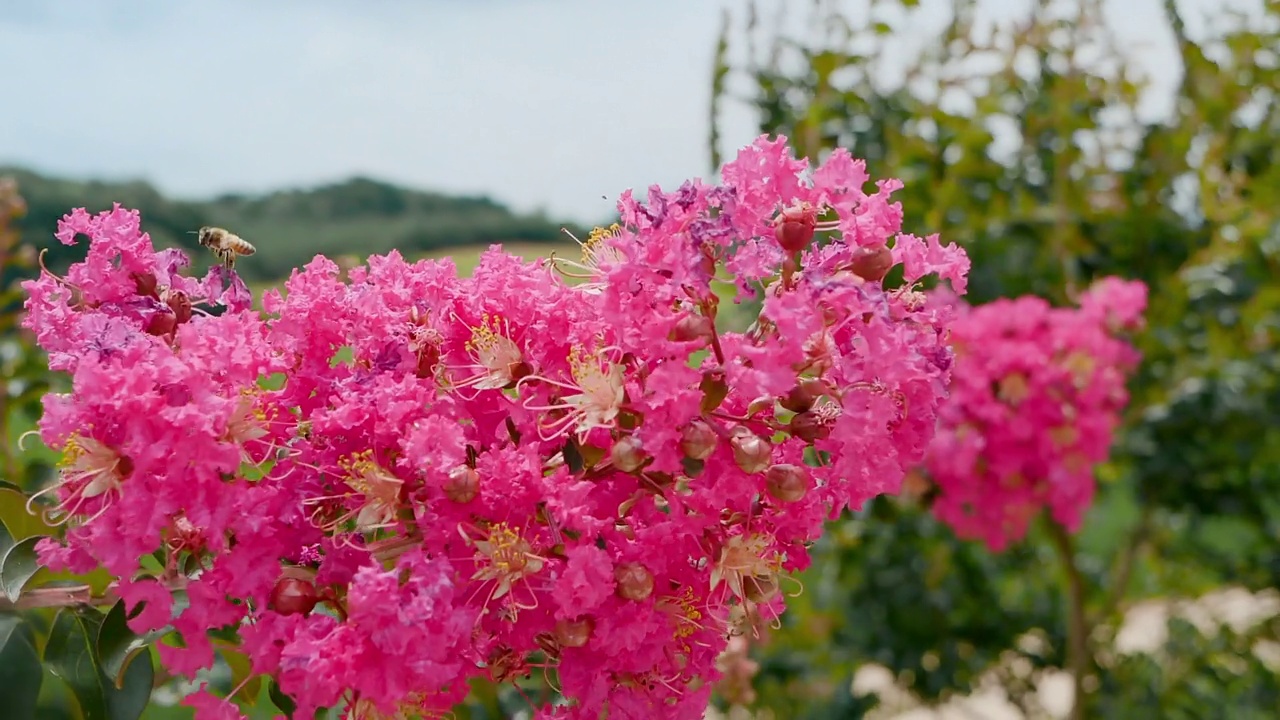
column 72, row 596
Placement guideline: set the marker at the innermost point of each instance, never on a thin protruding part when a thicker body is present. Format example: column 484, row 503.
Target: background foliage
column 289, row 227
column 1025, row 143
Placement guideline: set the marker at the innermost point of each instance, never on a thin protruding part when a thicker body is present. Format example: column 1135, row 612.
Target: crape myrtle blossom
column 393, row 482
column 1036, row 398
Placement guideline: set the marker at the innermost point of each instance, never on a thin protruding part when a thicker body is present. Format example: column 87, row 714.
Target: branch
column 74, row 595
column 1077, row 625
column 1124, row 567
column 1186, row 48
column 54, row 597
column 718, row 74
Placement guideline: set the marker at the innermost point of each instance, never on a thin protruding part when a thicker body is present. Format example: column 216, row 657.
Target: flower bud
column 145, row 283
column 463, row 485
column 760, row 330
column 635, row 582
column 574, row 633
column 750, row 451
column 293, row 596
column 698, row 440
column 180, row 304
column 707, row 264
column 830, row 313
column 428, row 359
column 759, row 405
column 714, row 390
column 871, row 263
column 799, row 400
column 795, row 226
column 787, row 483
column 809, row 427
column 184, row 535
column 816, row 387
column 161, row 324
column 691, row 327
column 628, row 455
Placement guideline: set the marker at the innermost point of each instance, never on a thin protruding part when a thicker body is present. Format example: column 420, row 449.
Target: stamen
column 597, row 394
column 598, row 254
column 95, row 469
column 505, row 558
column 380, row 491
column 22, row 439
column 496, row 355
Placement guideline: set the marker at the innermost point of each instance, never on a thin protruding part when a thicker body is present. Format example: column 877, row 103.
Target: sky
column 541, row 104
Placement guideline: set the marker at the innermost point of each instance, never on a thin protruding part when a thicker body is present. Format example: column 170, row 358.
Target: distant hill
column 360, row 216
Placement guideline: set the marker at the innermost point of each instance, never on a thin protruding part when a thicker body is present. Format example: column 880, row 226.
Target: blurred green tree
column 1024, row 141
column 289, row 227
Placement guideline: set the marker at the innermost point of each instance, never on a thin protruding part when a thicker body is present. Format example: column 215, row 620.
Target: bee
column 226, row 245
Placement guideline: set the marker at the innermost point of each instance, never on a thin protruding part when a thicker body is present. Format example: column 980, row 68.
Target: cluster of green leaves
column 60, row 656
column 1024, row 143
column 359, row 216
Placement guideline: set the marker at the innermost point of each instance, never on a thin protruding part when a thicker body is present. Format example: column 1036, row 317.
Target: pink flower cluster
column 392, row 482
column 1036, row 397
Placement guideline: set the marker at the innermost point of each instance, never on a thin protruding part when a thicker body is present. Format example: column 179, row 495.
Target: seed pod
column 787, row 483
column 634, row 580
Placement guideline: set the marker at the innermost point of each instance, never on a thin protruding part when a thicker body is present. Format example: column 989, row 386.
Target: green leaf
column 17, row 565
column 274, row 381
column 117, row 645
column 573, row 457
column 71, row 655
column 692, row 468
column 6, row 540
column 20, row 670
column 282, row 701
column 133, row 694
column 13, row 513
column 241, row 670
